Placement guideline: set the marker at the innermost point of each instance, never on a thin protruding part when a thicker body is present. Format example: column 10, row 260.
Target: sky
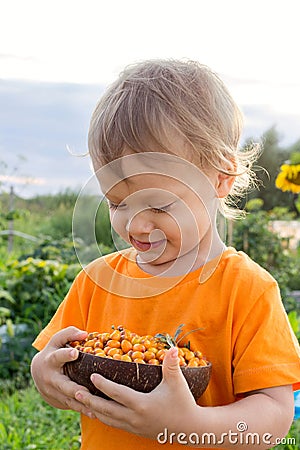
column 57, row 57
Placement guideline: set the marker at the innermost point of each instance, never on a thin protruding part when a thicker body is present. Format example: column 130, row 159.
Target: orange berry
column 153, row 361
column 98, row 344
column 138, row 348
column 181, row 361
column 104, row 337
column 149, row 355
column 161, row 354
column 188, row 355
column 137, row 355
column 152, row 349
column 126, row 346
column 113, row 351
column 194, row 362
column 99, row 352
column 139, row 360
column 117, row 356
column 136, row 339
column 88, row 349
column 113, row 343
column 116, row 335
column 93, row 335
column 126, row 358
column 202, row 362
column 89, row 343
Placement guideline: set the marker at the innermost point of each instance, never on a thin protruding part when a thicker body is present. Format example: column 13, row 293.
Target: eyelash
column 161, row 210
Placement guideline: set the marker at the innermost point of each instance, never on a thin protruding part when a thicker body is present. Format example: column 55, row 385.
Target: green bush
column 253, row 236
column 30, row 292
column 36, row 287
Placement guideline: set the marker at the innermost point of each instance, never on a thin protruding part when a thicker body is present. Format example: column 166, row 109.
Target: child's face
column 167, row 214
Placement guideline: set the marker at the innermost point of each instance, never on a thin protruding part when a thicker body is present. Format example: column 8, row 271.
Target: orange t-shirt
column 244, row 330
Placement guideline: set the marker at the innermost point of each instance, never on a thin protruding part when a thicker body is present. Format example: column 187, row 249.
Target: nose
column 139, row 224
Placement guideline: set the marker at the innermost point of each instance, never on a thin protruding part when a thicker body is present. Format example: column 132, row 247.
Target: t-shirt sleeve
column 68, row 313
column 266, row 351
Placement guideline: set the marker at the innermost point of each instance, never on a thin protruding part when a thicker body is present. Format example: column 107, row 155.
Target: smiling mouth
column 145, row 246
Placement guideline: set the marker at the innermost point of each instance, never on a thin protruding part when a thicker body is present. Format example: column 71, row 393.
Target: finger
column 118, row 392
column 59, row 357
column 170, row 368
column 107, row 411
column 60, row 338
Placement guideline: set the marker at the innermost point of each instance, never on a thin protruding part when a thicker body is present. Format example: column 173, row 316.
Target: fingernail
column 73, row 353
column 93, row 377
column 174, row 352
column 78, row 396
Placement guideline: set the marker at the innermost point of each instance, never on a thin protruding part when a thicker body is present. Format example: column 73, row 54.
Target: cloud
column 39, row 121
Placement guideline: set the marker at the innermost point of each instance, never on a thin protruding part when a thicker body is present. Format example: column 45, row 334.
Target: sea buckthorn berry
column 104, row 337
column 137, row 355
column 202, row 362
column 126, row 345
column 149, row 355
column 93, row 335
column 180, row 352
column 89, row 343
column 189, row 355
column 126, row 334
column 126, row 358
column 161, row 354
column 123, row 344
column 138, row 348
column 182, row 361
column 147, row 343
column 136, row 340
column 98, row 344
column 99, row 352
column 152, row 349
column 113, row 351
column 113, row 343
column 194, row 362
column 116, row 334
column 88, row 349
column 139, row 360
column 154, row 362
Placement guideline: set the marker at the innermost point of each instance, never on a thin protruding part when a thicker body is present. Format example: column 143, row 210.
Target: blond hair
column 153, row 100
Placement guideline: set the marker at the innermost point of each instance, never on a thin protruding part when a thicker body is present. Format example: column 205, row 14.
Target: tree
column 267, row 169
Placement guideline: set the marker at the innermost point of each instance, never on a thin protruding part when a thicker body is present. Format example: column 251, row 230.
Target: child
column 164, row 145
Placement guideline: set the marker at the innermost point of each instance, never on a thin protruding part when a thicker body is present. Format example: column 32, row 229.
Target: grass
column 28, row 423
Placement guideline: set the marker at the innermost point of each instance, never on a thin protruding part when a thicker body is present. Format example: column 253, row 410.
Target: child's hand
column 144, row 414
column 47, row 371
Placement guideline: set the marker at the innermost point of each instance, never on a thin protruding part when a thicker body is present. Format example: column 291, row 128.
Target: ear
column 224, row 184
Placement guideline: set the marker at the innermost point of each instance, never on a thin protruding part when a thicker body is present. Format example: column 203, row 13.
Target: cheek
column 118, row 223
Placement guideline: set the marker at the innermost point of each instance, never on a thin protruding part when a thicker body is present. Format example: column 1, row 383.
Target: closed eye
column 114, row 206
column 162, row 209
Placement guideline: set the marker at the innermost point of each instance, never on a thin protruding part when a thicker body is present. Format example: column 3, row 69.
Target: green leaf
column 6, row 296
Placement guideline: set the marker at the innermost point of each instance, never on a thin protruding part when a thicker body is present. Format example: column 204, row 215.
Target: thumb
column 170, row 368
column 61, row 338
